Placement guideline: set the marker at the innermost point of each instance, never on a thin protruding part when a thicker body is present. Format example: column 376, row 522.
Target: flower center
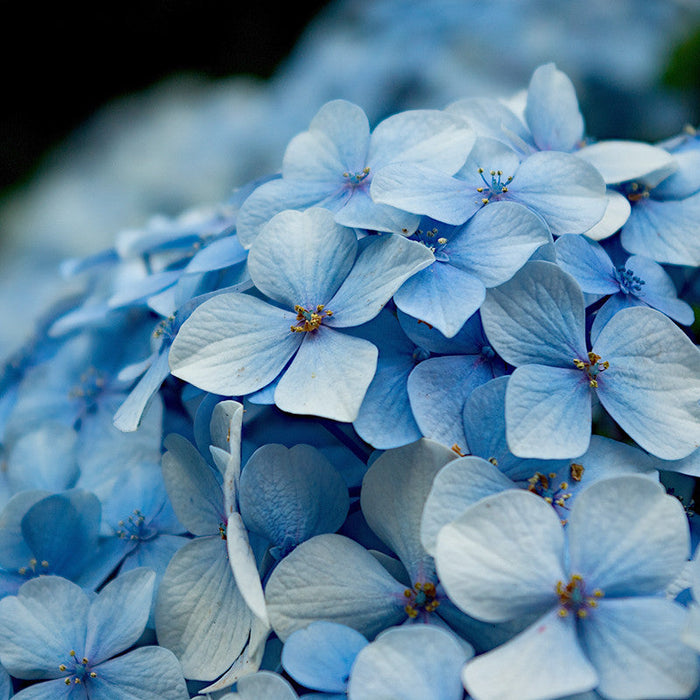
column 434, row 242
column 494, row 187
column 134, row 528
column 311, row 320
column 629, row 282
column 34, row 568
column 636, row 192
column 78, row 670
column 421, row 598
column 574, row 599
column 88, row 389
column 592, row 368
column 356, row 178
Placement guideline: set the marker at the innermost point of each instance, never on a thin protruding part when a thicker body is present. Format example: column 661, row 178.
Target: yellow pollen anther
column 582, row 613
column 504, row 189
column 484, row 201
column 576, row 471
column 411, row 611
column 563, row 486
column 67, row 681
column 562, row 612
column 72, row 652
column 442, row 241
column 85, row 661
column 492, row 172
column 598, row 593
column 45, row 564
column 548, row 499
column 493, row 461
column 62, row 667
column 479, row 189
column 22, row 571
column 408, row 593
column 457, row 450
column 32, row 562
column 93, row 674
column 481, row 170
column 76, row 681
column 311, row 320
column 593, row 383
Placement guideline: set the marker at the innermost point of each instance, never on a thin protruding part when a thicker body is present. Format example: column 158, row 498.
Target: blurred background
column 127, row 110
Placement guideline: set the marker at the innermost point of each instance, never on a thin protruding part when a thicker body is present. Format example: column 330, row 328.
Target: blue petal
column 321, row 655
column 233, row 344
column 200, row 614
column 588, row 263
column 331, row 577
column 635, row 646
column 438, row 388
column 302, row 258
column 290, row 495
column 548, row 412
column 381, row 268
column 552, row 111
column 147, row 673
column 389, row 667
column 195, row 493
column 536, row 317
column 328, row 376
column 622, row 161
column 627, row 537
column 666, row 231
column 393, row 496
column 544, row 661
column 118, row 615
column 651, row 388
column 568, row 193
column 431, row 296
column 40, row 626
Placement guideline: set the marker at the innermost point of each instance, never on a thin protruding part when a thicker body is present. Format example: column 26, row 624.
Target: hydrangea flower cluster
column 395, row 422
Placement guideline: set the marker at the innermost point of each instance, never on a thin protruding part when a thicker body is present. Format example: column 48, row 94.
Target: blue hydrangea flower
column 637, row 282
column 333, row 163
column 235, row 344
column 644, row 370
column 54, row 632
column 601, row 623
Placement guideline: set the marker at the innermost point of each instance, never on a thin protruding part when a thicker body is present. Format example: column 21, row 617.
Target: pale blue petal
column 40, row 626
column 381, row 268
column 430, row 295
column 128, row 417
column 438, row 388
column 497, row 241
column 393, row 496
column 666, row 231
column 536, row 317
column 457, row 486
column 321, row 655
column 430, row 137
column 233, row 344
column 194, row 492
column 685, row 181
column 502, row 558
column 615, row 303
column 552, row 111
column 390, row 667
column 548, row 412
column 659, row 292
column 329, row 375
column 568, row 193
column 588, row 263
column 118, row 615
column 616, row 214
column 244, row 566
column 217, row 255
column 635, row 646
column 277, row 195
column 264, row 684
column 148, row 673
column 337, row 141
column 543, row 662
column 302, row 257
column 361, row 212
column 622, row 161
column 627, row 537
column 52, row 690
column 652, row 386
column 490, row 118
column 290, row 495
column 200, row 614
column 422, row 190
column 331, row 577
